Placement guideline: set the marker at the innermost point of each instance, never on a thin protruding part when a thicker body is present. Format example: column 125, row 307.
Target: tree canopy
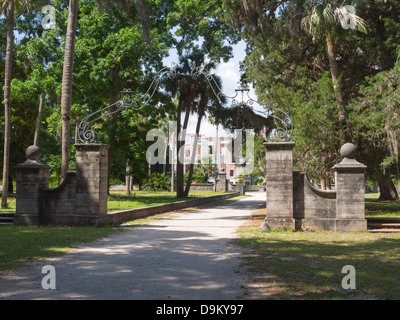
column 292, row 64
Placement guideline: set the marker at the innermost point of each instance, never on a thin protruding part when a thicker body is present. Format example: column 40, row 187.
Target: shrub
column 157, row 182
column 114, row 181
column 198, row 177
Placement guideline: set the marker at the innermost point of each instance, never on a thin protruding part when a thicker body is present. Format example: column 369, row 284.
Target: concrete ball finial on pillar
column 33, row 153
column 348, row 151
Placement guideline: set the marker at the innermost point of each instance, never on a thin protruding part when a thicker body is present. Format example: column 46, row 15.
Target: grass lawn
column 11, row 203
column 308, row 265
column 118, row 200
column 19, row 245
column 373, row 208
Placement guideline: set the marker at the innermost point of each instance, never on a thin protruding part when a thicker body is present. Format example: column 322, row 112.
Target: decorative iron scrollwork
column 284, row 126
column 129, row 100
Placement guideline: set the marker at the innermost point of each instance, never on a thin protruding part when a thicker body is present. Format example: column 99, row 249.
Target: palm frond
column 328, row 14
column 349, row 19
column 311, row 23
column 324, row 18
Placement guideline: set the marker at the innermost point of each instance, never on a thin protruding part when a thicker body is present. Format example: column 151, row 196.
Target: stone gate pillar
column 31, row 177
column 279, row 185
column 350, row 191
column 221, row 182
column 91, row 183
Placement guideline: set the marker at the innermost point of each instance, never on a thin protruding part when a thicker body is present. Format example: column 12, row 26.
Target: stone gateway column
column 31, row 177
column 279, row 186
column 222, row 181
column 350, row 190
column 91, row 184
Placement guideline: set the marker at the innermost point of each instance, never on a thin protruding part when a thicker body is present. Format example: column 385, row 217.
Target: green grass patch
column 118, row 200
column 20, row 245
column 307, row 265
column 375, row 208
column 11, row 201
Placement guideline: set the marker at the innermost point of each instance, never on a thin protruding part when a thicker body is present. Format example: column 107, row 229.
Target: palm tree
column 9, row 7
column 205, row 98
column 195, row 96
column 215, row 121
column 184, row 89
column 329, row 22
column 66, row 93
column 323, row 22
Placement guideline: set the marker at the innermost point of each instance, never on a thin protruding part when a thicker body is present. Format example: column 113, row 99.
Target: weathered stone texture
column 92, row 179
column 202, row 187
column 310, row 201
column 279, row 185
column 31, row 177
column 293, row 202
column 80, row 200
column 350, row 201
column 222, row 182
column 58, row 204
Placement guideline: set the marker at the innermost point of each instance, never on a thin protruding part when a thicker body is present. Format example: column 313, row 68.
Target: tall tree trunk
column 165, row 155
column 323, row 183
column 179, row 164
column 216, row 164
column 66, row 93
column 185, row 123
column 128, row 178
column 173, row 161
column 76, row 129
column 113, row 98
column 39, row 119
column 193, row 156
column 328, row 182
column 336, row 85
column 398, row 186
column 375, row 187
column 10, row 185
column 387, row 190
column 7, row 107
column 165, row 162
column 172, row 177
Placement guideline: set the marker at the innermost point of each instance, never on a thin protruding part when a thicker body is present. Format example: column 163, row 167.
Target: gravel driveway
column 187, row 257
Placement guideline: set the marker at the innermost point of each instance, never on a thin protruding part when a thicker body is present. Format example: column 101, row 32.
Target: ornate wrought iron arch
column 86, row 135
